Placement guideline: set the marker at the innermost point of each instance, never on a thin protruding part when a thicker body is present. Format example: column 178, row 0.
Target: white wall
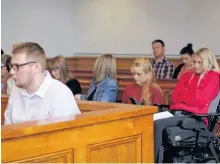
column 48, row 22
column 116, row 26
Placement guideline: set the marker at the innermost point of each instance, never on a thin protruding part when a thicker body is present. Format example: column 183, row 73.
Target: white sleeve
column 8, row 113
column 10, row 85
column 64, row 104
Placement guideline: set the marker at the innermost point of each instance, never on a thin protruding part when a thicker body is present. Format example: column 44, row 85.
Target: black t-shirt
column 92, row 94
column 177, row 71
column 74, row 86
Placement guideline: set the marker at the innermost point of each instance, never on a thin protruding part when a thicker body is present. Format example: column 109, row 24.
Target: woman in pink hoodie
column 195, row 91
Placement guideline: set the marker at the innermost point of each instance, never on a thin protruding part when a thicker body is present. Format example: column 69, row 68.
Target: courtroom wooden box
column 105, row 132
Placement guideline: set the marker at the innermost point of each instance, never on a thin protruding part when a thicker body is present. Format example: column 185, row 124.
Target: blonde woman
column 104, row 86
column 60, row 71
column 144, row 89
column 194, row 92
column 198, row 87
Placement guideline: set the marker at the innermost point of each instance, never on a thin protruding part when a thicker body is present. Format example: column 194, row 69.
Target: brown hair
column 5, row 58
column 105, row 65
column 33, row 51
column 59, row 62
column 145, row 65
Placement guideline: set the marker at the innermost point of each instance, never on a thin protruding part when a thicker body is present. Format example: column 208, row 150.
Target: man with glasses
column 36, row 95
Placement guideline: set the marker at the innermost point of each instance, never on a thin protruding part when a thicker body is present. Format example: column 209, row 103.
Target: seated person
column 163, row 68
column 144, row 89
column 36, row 95
column 194, row 92
column 6, row 81
column 60, row 71
column 104, row 85
column 187, row 58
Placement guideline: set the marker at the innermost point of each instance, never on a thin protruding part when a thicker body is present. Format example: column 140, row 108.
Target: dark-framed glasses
column 17, row 66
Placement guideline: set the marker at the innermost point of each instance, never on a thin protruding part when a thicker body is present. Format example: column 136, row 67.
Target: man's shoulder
column 169, row 62
column 58, row 87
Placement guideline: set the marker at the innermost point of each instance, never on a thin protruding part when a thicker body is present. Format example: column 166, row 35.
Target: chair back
column 215, row 105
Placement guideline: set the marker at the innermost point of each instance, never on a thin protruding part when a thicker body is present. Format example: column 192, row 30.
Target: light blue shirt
column 52, row 99
column 2, row 86
column 106, row 91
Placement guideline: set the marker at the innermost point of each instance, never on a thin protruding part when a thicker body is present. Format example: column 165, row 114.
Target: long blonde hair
column 105, row 65
column 59, row 62
column 208, row 59
column 145, row 65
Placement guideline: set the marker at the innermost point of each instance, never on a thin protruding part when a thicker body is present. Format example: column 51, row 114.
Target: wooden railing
column 86, row 106
column 110, row 132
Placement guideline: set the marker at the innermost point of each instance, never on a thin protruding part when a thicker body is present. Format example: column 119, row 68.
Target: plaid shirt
column 164, row 69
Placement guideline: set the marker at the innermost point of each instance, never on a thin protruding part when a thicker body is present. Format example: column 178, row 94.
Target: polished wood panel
column 4, row 103
column 58, row 157
column 120, row 133
column 88, row 106
column 84, row 106
column 118, row 149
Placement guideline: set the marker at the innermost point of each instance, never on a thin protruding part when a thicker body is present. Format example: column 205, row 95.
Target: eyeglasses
column 16, row 67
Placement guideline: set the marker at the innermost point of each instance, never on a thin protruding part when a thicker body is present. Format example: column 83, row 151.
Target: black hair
column 2, row 52
column 187, row 50
column 158, row 41
column 8, row 62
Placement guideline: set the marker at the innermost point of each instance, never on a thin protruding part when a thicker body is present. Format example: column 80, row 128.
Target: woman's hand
column 78, row 96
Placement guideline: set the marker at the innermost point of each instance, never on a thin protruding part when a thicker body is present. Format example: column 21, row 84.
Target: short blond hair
column 33, row 52
column 208, row 58
column 105, row 66
column 60, row 63
column 145, row 65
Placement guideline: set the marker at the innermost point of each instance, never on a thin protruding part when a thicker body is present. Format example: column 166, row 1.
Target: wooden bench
column 166, row 85
column 4, row 103
column 110, row 132
column 82, row 68
column 123, row 63
column 84, row 107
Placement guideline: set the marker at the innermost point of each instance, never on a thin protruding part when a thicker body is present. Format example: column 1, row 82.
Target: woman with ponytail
column 187, row 59
column 144, row 90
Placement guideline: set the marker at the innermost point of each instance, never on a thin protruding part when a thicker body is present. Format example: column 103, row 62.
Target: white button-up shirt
column 52, row 99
